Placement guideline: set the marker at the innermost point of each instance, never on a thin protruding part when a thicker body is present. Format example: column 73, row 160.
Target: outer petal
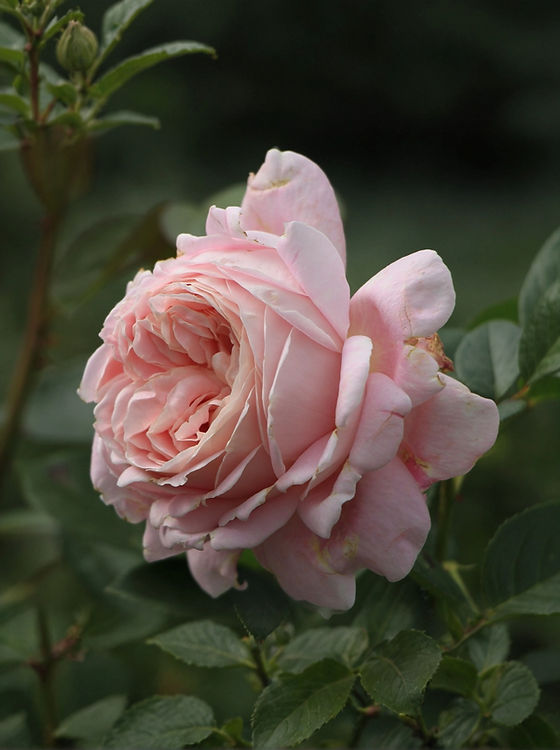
column 295, row 557
column 413, row 296
column 214, row 571
column 290, row 187
column 445, row 435
column 316, row 266
column 384, row 527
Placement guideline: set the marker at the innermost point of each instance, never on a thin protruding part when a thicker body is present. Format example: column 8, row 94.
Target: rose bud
column 76, row 48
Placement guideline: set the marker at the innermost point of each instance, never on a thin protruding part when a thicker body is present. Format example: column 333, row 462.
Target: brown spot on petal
column 434, row 346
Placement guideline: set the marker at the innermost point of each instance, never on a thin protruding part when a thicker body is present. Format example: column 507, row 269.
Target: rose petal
column 295, row 557
column 317, row 267
column 413, row 296
column 263, row 521
column 384, row 527
column 445, row 435
column 302, row 399
column 290, row 187
column 381, row 424
column 214, row 571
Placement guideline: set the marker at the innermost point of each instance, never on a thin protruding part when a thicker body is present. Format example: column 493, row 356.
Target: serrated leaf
column 343, row 644
column 510, row 693
column 58, row 484
column 544, row 271
column 539, row 347
column 457, row 723
column 489, row 647
column 487, row 358
column 521, row 570
column 533, row 732
column 118, row 119
column 455, row 675
column 205, row 644
column 289, row 711
column 57, row 24
column 116, row 20
column 94, row 720
column 262, row 605
column 162, row 723
column 12, row 100
column 397, row 674
column 119, row 75
column 14, row 731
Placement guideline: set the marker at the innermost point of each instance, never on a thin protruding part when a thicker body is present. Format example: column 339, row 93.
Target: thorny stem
column 33, row 342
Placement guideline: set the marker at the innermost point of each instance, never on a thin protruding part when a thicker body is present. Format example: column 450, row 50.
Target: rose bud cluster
column 244, row 400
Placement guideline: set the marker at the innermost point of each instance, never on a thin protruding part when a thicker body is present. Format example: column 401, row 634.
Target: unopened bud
column 76, row 48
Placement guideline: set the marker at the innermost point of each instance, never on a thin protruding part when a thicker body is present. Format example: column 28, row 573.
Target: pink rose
column 245, row 401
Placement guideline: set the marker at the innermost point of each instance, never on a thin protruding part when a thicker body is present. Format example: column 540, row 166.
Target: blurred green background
column 437, row 122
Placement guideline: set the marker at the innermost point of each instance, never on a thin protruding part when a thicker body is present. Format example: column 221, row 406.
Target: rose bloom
column 243, row 400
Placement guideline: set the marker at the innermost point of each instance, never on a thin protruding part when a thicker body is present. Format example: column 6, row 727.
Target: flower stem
column 33, row 341
column 259, row 665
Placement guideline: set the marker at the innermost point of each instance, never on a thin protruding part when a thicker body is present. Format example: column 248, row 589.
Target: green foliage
column 124, row 71
column 58, row 485
column 486, row 359
column 14, row 731
column 168, row 723
column 262, row 605
column 116, row 20
column 543, row 273
column 93, row 721
column 118, row 119
column 458, row 723
column 205, row 644
column 345, row 645
column 289, row 711
column 399, row 670
column 455, row 675
column 510, row 693
column 531, row 585
column 533, row 732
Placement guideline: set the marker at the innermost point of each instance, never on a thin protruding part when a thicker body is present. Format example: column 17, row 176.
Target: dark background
column 438, row 123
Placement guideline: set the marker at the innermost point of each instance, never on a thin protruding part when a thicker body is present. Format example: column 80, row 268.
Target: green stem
column 33, row 342
column 260, row 667
column 479, row 625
